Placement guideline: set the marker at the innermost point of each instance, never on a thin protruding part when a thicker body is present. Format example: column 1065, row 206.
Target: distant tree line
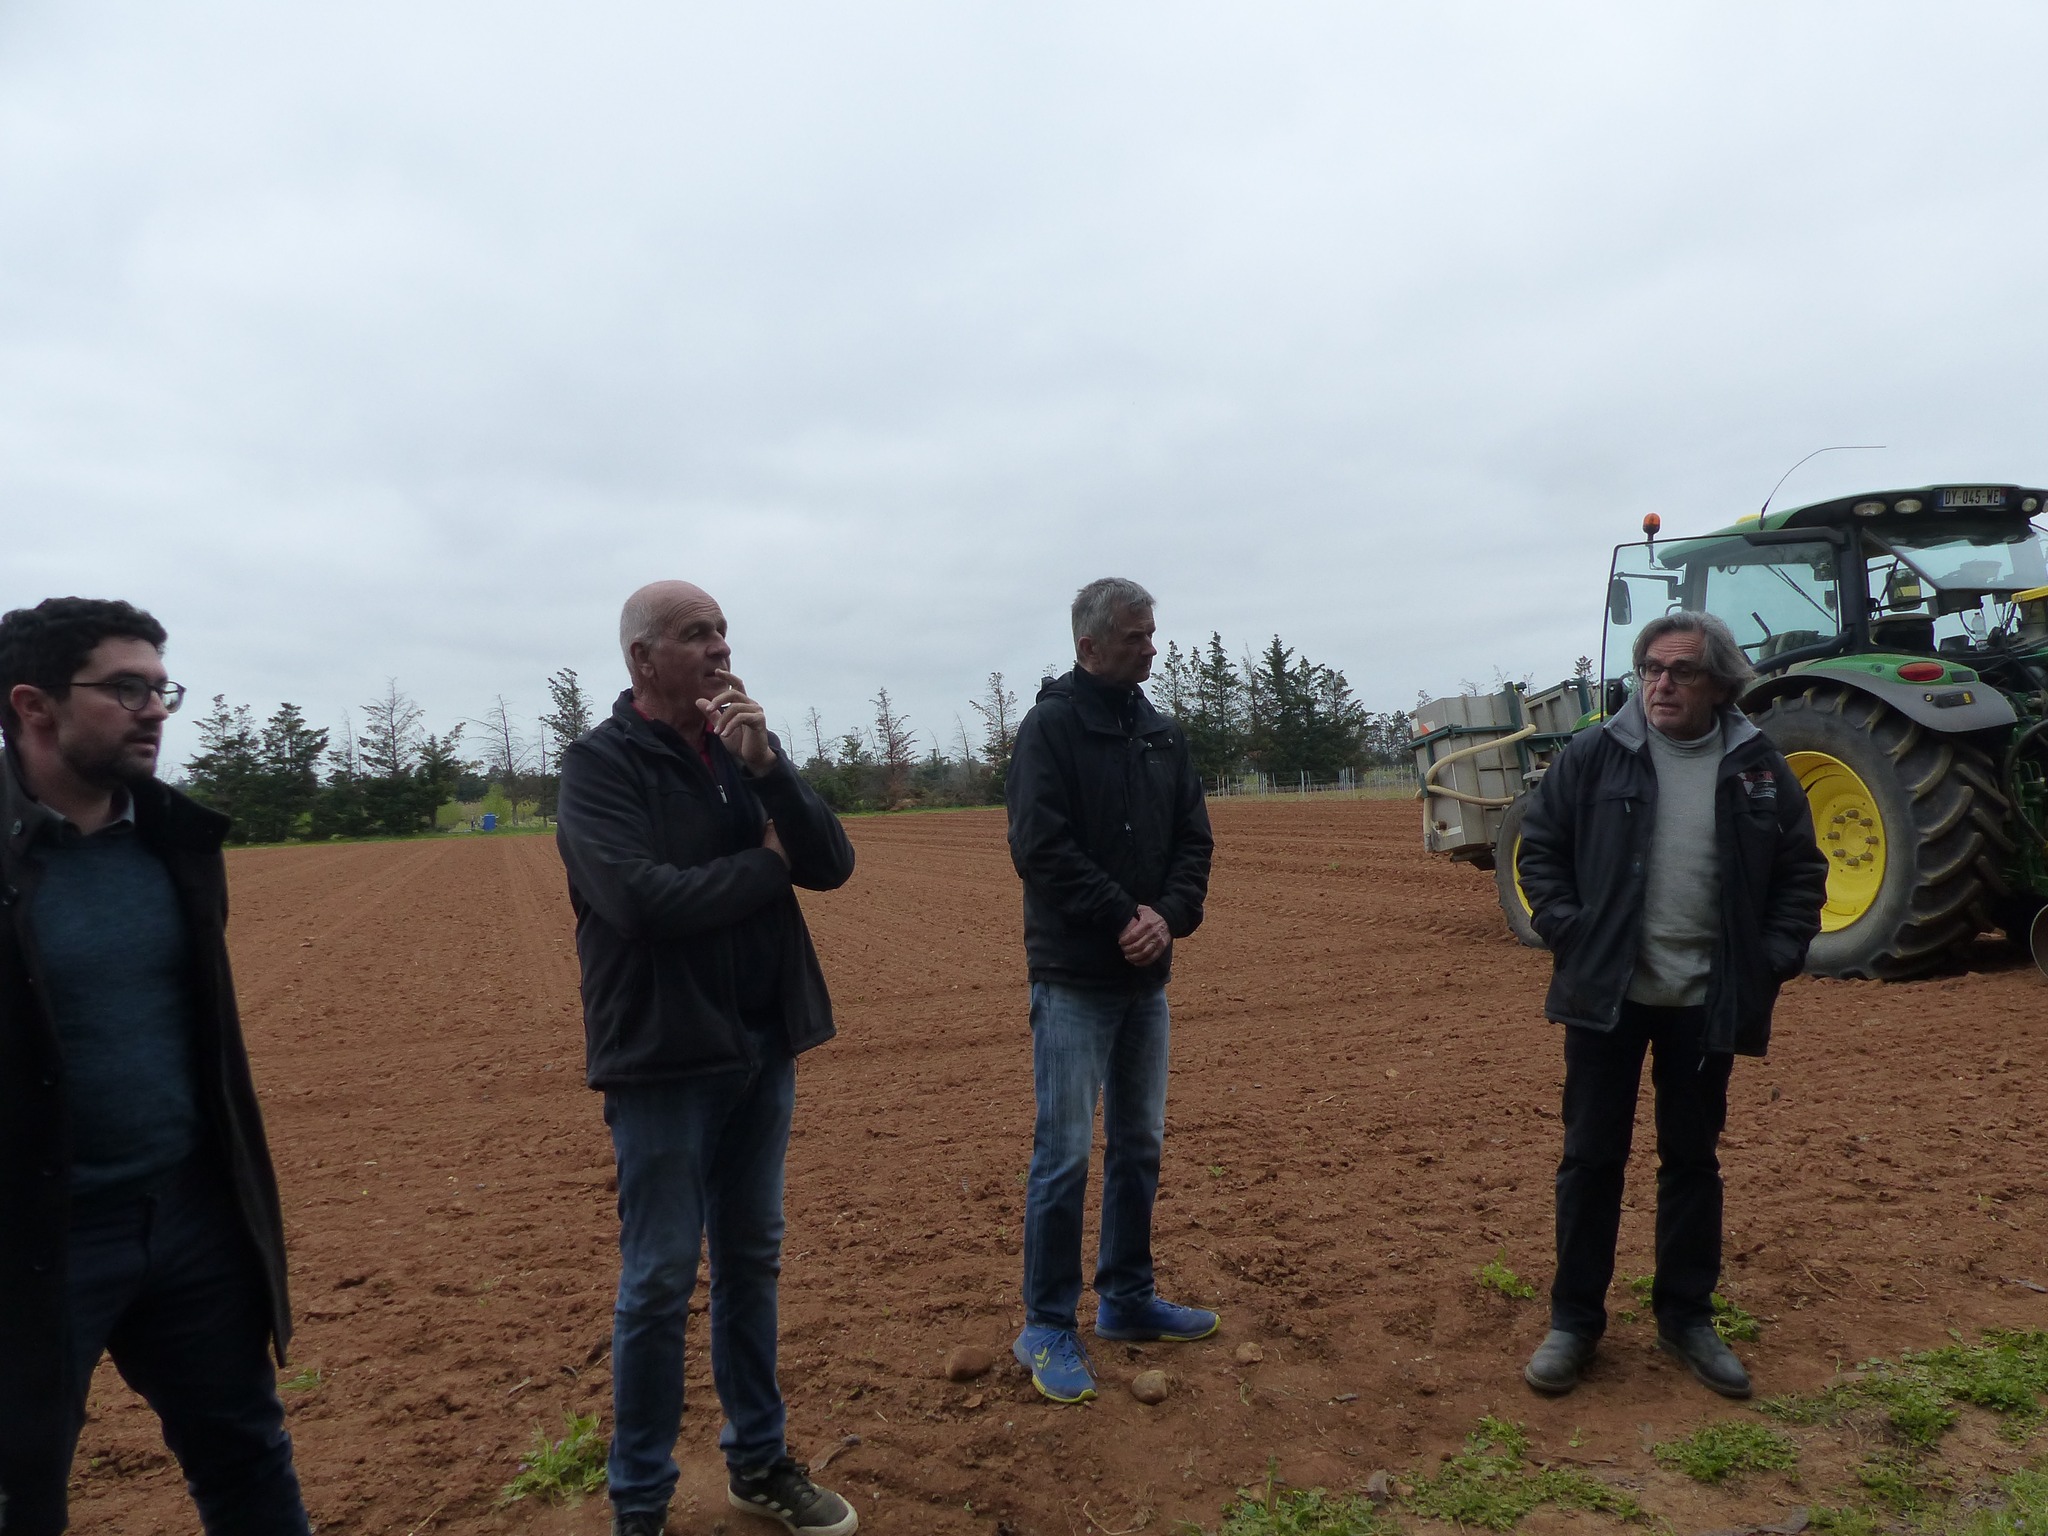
column 1275, row 712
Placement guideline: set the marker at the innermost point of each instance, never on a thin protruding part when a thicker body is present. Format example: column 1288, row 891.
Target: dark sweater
column 114, row 957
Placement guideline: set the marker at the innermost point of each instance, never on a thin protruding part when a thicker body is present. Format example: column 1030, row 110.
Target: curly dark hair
column 44, row 646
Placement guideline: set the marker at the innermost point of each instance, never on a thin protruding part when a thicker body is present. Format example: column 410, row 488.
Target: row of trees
column 1274, row 712
column 285, row 778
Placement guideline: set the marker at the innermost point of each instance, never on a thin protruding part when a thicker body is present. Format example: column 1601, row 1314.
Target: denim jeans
column 1088, row 1043
column 171, row 1286
column 1602, row 1075
column 698, row 1157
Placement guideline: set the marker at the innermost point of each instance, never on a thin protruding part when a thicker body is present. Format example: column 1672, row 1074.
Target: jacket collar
column 162, row 816
column 653, row 736
column 1094, row 705
column 1631, row 728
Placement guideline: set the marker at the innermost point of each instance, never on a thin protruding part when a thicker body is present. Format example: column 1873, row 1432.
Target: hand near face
column 1145, row 939
column 740, row 723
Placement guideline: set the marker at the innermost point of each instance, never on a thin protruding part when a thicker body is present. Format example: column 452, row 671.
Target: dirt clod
column 968, row 1362
column 1150, row 1387
column 1249, row 1354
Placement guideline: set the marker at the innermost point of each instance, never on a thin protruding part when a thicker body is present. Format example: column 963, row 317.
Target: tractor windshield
column 1991, row 558
column 1943, row 588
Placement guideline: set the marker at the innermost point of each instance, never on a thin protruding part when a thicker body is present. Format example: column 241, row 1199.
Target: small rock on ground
column 968, row 1361
column 1249, row 1354
column 1149, row 1386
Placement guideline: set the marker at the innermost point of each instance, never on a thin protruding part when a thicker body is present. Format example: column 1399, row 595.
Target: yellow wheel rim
column 1515, row 869
column 1850, row 830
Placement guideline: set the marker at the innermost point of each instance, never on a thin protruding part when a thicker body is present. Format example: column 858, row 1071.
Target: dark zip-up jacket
column 1105, row 816
column 1584, row 856
column 35, row 1199
column 666, row 869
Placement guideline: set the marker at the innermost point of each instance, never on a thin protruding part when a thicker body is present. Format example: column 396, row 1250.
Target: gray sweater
column 1682, row 890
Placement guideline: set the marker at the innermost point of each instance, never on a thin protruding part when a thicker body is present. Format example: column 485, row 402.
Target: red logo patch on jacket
column 1760, row 783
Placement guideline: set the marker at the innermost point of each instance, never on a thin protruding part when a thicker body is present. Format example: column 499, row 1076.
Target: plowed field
column 1363, row 1112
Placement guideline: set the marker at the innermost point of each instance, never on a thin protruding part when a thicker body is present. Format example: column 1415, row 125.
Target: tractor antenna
column 1836, row 448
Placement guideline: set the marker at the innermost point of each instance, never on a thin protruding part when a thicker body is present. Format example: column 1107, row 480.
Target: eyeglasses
column 1683, row 674
column 134, row 692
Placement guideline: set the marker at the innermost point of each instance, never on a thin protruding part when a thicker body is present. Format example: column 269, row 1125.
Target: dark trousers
column 1602, row 1075
column 170, row 1286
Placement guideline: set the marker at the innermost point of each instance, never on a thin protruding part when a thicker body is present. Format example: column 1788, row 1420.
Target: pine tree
column 227, row 771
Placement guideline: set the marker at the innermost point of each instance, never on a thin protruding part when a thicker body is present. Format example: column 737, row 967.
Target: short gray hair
column 1097, row 605
column 641, row 619
column 1719, row 653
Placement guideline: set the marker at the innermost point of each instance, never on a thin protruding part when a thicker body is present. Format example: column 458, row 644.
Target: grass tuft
column 303, row 1381
column 1283, row 1511
column 1487, row 1485
column 570, row 1466
column 1921, row 1392
column 1495, row 1275
column 1898, row 1481
column 1730, row 1321
column 1716, row 1451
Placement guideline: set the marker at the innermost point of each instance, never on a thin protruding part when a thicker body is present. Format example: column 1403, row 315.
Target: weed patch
column 1898, row 1481
column 1495, row 1275
column 1281, row 1511
column 572, row 1465
column 1488, row 1485
column 302, row 1381
column 1920, row 1393
column 1715, row 1452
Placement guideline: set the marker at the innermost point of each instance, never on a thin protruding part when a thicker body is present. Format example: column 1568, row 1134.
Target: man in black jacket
column 685, row 830
column 1670, row 864
column 138, row 1210
column 1110, row 832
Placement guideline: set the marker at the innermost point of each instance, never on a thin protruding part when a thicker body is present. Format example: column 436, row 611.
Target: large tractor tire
column 1913, row 825
column 1507, row 879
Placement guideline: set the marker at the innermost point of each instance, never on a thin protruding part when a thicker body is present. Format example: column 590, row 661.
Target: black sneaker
column 639, row 1522
column 784, row 1491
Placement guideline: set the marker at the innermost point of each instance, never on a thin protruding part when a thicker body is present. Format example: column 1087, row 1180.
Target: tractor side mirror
column 1619, row 609
column 1617, row 695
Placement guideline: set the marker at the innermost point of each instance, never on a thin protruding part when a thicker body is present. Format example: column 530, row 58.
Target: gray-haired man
column 1110, row 832
column 1670, row 863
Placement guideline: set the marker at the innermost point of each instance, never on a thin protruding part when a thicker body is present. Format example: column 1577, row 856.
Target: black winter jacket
column 1585, row 848
column 34, row 1116
column 665, row 863
column 1103, row 819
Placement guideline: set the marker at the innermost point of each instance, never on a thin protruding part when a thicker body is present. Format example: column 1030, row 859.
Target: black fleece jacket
column 679, row 907
column 1106, row 814
column 1585, row 847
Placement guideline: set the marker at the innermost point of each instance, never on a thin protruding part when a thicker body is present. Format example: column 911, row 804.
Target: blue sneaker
column 1156, row 1320
column 1058, row 1367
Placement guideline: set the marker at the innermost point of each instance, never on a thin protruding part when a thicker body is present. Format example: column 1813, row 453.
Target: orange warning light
column 1651, row 524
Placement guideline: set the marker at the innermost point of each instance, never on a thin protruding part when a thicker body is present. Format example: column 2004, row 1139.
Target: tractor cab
column 1942, row 574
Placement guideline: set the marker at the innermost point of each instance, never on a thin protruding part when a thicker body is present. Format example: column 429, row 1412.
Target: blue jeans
column 170, row 1285
column 1088, row 1043
column 697, row 1157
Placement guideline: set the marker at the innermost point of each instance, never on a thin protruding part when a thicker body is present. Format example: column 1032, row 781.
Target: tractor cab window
column 1775, row 597
column 1944, row 587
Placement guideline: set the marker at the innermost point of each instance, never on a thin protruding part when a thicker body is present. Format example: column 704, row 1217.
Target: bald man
column 685, row 832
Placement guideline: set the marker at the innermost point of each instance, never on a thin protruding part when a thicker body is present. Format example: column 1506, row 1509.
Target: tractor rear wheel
column 1913, row 825
column 1507, row 878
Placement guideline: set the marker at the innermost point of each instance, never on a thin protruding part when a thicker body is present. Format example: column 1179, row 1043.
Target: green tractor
column 1901, row 644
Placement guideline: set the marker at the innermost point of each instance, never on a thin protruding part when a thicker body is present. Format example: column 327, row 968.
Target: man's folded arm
column 820, row 857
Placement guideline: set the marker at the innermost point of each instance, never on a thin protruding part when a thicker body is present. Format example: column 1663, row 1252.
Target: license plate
column 1974, row 496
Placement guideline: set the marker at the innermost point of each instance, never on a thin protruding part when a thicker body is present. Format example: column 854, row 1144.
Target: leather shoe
column 1558, row 1360
column 1710, row 1359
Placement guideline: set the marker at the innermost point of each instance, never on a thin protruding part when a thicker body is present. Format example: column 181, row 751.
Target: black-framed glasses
column 134, row 692
column 1683, row 673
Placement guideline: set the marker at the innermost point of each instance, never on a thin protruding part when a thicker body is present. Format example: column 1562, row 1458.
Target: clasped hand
column 1145, row 939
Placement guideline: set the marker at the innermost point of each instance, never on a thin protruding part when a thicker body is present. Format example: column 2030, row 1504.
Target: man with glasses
column 137, row 1202
column 1670, row 864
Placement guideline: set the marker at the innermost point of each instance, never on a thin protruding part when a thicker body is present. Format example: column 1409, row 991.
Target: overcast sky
column 388, row 340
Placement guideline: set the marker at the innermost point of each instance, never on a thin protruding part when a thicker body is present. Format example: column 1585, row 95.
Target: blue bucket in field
column 490, row 821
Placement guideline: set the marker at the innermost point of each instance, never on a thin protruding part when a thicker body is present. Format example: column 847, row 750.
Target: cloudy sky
column 402, row 340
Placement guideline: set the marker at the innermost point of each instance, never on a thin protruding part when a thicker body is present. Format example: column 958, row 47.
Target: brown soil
column 1363, row 1112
